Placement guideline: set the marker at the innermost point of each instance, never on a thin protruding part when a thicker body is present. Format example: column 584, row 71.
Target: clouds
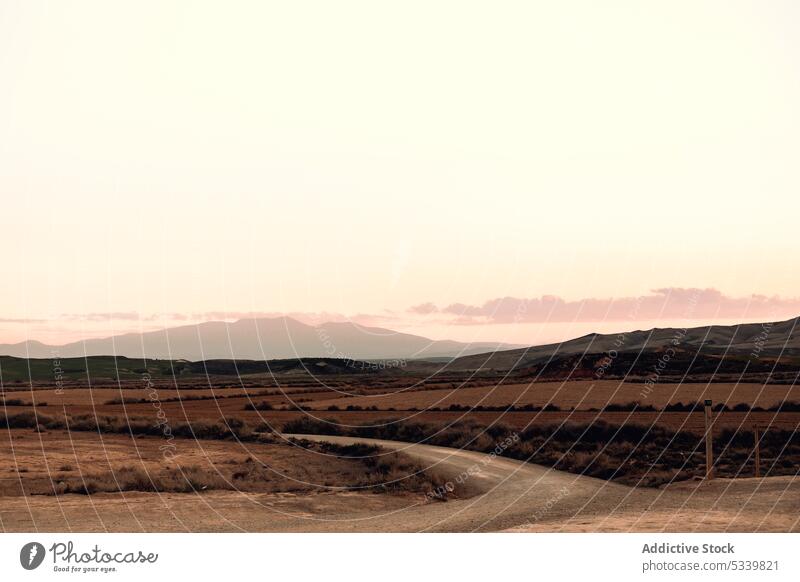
column 666, row 303
column 424, row 308
column 548, row 316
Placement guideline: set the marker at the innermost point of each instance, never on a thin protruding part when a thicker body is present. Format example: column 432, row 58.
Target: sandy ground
column 723, row 505
column 511, row 496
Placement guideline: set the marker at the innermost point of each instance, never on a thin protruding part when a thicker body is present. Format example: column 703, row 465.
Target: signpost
column 709, row 447
column 758, row 450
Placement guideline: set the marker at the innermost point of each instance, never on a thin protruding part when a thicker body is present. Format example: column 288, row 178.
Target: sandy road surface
column 509, row 495
column 527, row 497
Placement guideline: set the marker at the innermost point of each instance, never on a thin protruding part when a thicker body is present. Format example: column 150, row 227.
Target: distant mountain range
column 259, row 339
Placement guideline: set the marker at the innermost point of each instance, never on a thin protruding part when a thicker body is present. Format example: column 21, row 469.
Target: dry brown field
column 581, row 395
column 412, row 402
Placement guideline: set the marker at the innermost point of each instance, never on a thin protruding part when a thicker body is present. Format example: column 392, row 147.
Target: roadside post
column 758, row 449
column 709, row 444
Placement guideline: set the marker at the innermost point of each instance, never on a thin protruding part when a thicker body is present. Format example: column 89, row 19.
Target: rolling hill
column 721, row 348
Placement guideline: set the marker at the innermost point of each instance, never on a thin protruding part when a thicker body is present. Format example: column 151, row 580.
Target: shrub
column 29, row 419
column 306, row 425
column 629, row 407
column 681, row 407
column 178, row 480
column 263, row 405
column 785, row 407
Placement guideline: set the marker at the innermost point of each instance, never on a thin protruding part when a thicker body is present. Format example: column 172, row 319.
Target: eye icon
column 31, row 555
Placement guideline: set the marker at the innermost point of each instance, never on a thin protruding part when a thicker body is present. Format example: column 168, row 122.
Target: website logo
column 31, row 555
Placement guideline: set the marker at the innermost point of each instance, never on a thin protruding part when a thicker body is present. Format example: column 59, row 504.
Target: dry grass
column 84, row 462
column 373, row 471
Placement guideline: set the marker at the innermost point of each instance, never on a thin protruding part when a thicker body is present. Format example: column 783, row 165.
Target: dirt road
column 527, row 497
column 508, row 495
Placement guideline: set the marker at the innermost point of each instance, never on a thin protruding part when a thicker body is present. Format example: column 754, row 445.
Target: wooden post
column 709, row 444
column 758, row 450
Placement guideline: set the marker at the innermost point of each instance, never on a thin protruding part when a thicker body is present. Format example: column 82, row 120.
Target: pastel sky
column 172, row 161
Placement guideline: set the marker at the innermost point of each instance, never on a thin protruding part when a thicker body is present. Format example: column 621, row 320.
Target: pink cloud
column 423, row 308
column 667, row 303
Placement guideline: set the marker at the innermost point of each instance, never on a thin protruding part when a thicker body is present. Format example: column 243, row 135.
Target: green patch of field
column 22, row 370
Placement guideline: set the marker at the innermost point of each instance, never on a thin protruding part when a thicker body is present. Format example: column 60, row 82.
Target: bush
column 179, row 480
column 263, row 405
column 785, row 407
column 629, row 407
column 681, row 407
column 306, row 425
column 222, row 429
column 29, row 419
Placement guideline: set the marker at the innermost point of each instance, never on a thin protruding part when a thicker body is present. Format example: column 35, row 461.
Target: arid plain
column 222, row 454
